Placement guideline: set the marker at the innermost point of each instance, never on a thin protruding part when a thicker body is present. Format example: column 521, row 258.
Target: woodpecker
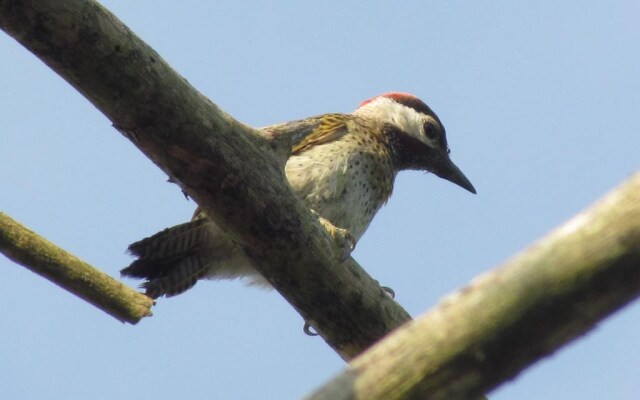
column 343, row 170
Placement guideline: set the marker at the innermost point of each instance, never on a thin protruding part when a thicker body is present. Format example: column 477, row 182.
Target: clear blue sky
column 541, row 102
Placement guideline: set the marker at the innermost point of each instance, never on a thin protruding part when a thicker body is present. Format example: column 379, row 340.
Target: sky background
column 541, row 101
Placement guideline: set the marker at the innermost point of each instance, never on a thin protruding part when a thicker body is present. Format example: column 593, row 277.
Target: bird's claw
column 345, row 240
column 390, row 292
column 308, row 329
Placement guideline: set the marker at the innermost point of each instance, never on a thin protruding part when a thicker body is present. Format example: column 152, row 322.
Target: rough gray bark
column 232, row 171
column 507, row 318
column 235, row 173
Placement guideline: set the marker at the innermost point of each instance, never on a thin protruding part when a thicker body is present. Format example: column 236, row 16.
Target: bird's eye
column 431, row 131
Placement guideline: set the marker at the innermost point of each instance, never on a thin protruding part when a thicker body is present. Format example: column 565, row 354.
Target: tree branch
column 506, row 319
column 232, row 171
column 70, row 273
column 489, row 331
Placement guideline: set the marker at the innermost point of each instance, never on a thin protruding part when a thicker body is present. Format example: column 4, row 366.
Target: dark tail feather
column 172, row 260
column 180, row 278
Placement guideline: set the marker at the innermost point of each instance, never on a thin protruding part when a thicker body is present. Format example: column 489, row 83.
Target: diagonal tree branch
column 67, row 271
column 512, row 316
column 235, row 174
column 232, row 171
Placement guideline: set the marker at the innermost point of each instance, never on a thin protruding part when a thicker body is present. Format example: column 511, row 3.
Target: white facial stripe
column 405, row 118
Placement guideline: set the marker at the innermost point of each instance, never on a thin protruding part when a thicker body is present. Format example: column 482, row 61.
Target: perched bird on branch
column 343, row 170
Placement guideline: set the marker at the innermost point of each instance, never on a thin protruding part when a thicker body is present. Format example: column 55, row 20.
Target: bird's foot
column 345, row 240
column 308, row 329
column 390, row 292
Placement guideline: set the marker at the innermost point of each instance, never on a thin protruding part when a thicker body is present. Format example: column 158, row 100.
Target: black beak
column 446, row 169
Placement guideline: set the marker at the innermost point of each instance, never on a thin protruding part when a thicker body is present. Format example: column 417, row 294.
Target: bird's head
column 417, row 135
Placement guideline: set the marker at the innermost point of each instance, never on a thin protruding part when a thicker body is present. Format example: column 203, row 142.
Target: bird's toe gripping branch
column 343, row 239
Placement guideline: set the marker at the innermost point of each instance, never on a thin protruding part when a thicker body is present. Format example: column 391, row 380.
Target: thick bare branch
column 234, row 173
column 488, row 331
column 67, row 271
column 508, row 318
